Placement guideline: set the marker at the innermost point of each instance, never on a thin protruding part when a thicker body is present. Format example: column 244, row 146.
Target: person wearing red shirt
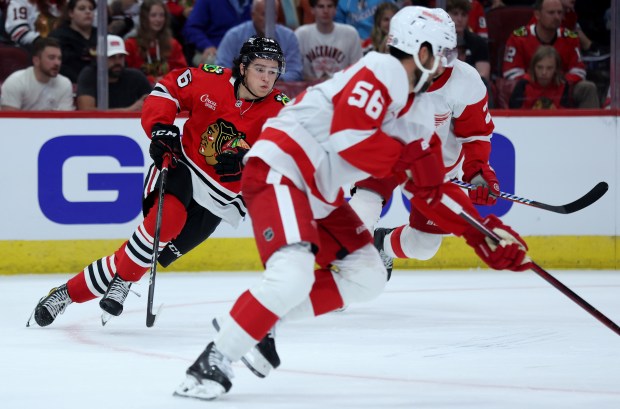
column 153, row 50
column 524, row 41
column 477, row 19
column 544, row 86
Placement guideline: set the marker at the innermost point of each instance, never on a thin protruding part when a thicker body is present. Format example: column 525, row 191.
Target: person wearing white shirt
column 40, row 87
column 326, row 46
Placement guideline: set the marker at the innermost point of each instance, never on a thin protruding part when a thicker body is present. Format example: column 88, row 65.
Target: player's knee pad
column 361, row 275
column 368, row 206
column 287, row 279
column 200, row 224
column 420, row 245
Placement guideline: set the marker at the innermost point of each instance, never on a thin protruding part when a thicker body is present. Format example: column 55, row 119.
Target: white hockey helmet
column 413, row 26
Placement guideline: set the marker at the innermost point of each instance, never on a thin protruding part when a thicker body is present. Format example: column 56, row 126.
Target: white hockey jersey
column 333, row 134
column 24, row 23
column 461, row 112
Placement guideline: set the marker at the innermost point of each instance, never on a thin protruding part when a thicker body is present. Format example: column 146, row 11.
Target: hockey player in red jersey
column 335, row 133
column 465, row 127
column 227, row 109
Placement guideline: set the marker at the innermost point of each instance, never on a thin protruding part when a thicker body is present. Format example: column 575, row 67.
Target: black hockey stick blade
column 456, row 208
column 150, row 317
column 586, row 200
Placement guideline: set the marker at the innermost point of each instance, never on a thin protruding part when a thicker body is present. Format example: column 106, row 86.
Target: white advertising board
column 81, row 178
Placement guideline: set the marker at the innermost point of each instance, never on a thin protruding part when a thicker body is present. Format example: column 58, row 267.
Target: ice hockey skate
column 114, row 298
column 388, row 261
column 208, row 378
column 263, row 357
column 50, row 306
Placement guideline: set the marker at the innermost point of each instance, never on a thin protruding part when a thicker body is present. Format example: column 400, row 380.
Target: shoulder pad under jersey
column 520, row 32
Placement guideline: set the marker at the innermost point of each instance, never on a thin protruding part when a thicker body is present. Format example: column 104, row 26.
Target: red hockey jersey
column 216, row 116
column 523, row 43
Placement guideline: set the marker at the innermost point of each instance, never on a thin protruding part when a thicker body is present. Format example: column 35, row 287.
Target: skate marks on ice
column 463, row 339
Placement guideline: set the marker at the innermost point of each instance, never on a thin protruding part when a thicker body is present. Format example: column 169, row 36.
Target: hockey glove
column 230, row 164
column 165, row 139
column 488, row 186
column 423, row 163
column 510, row 254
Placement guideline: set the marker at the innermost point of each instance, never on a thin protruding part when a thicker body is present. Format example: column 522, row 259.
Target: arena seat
column 504, row 91
column 12, row 59
column 501, row 22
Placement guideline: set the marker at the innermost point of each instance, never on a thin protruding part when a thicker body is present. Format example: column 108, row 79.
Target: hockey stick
column 456, row 208
column 584, row 201
column 150, row 317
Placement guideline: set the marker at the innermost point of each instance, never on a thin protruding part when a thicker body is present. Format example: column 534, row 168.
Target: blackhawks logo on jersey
column 520, row 32
column 282, row 98
column 212, row 69
column 570, row 33
column 220, row 136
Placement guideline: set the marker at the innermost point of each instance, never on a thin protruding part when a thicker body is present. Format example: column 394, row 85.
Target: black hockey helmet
column 260, row 47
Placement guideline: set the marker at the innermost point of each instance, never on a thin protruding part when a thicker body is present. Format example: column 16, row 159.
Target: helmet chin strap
column 421, row 85
column 246, row 86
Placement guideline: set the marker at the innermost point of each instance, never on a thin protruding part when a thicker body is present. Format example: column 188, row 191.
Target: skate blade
column 30, row 319
column 259, row 367
column 192, row 388
column 105, row 317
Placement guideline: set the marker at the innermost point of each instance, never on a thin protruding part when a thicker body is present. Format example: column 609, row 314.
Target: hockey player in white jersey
column 331, row 135
column 465, row 127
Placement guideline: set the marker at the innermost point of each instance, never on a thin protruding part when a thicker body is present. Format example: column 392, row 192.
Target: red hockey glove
column 230, row 161
column 165, row 139
column 488, row 186
column 423, row 163
column 510, row 254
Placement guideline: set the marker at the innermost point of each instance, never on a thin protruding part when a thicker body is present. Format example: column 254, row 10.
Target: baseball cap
column 116, row 45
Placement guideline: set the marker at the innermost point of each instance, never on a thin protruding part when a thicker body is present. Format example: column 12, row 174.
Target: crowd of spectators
column 559, row 58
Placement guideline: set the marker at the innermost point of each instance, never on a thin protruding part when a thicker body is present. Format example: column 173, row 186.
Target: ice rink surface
column 433, row 339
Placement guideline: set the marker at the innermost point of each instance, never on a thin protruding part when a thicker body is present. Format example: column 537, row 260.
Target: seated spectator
column 123, row 16
column 493, row 4
column 359, row 14
column 472, row 48
column 477, row 21
column 127, row 86
column 40, row 87
column 153, row 50
column 27, row 20
column 326, row 47
column 524, row 41
column 236, row 36
column 209, row 21
column 77, row 37
column 380, row 28
column 179, row 11
column 543, row 87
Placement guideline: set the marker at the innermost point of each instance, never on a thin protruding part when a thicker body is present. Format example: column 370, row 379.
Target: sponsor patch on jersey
column 282, row 98
column 212, row 69
column 209, row 103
